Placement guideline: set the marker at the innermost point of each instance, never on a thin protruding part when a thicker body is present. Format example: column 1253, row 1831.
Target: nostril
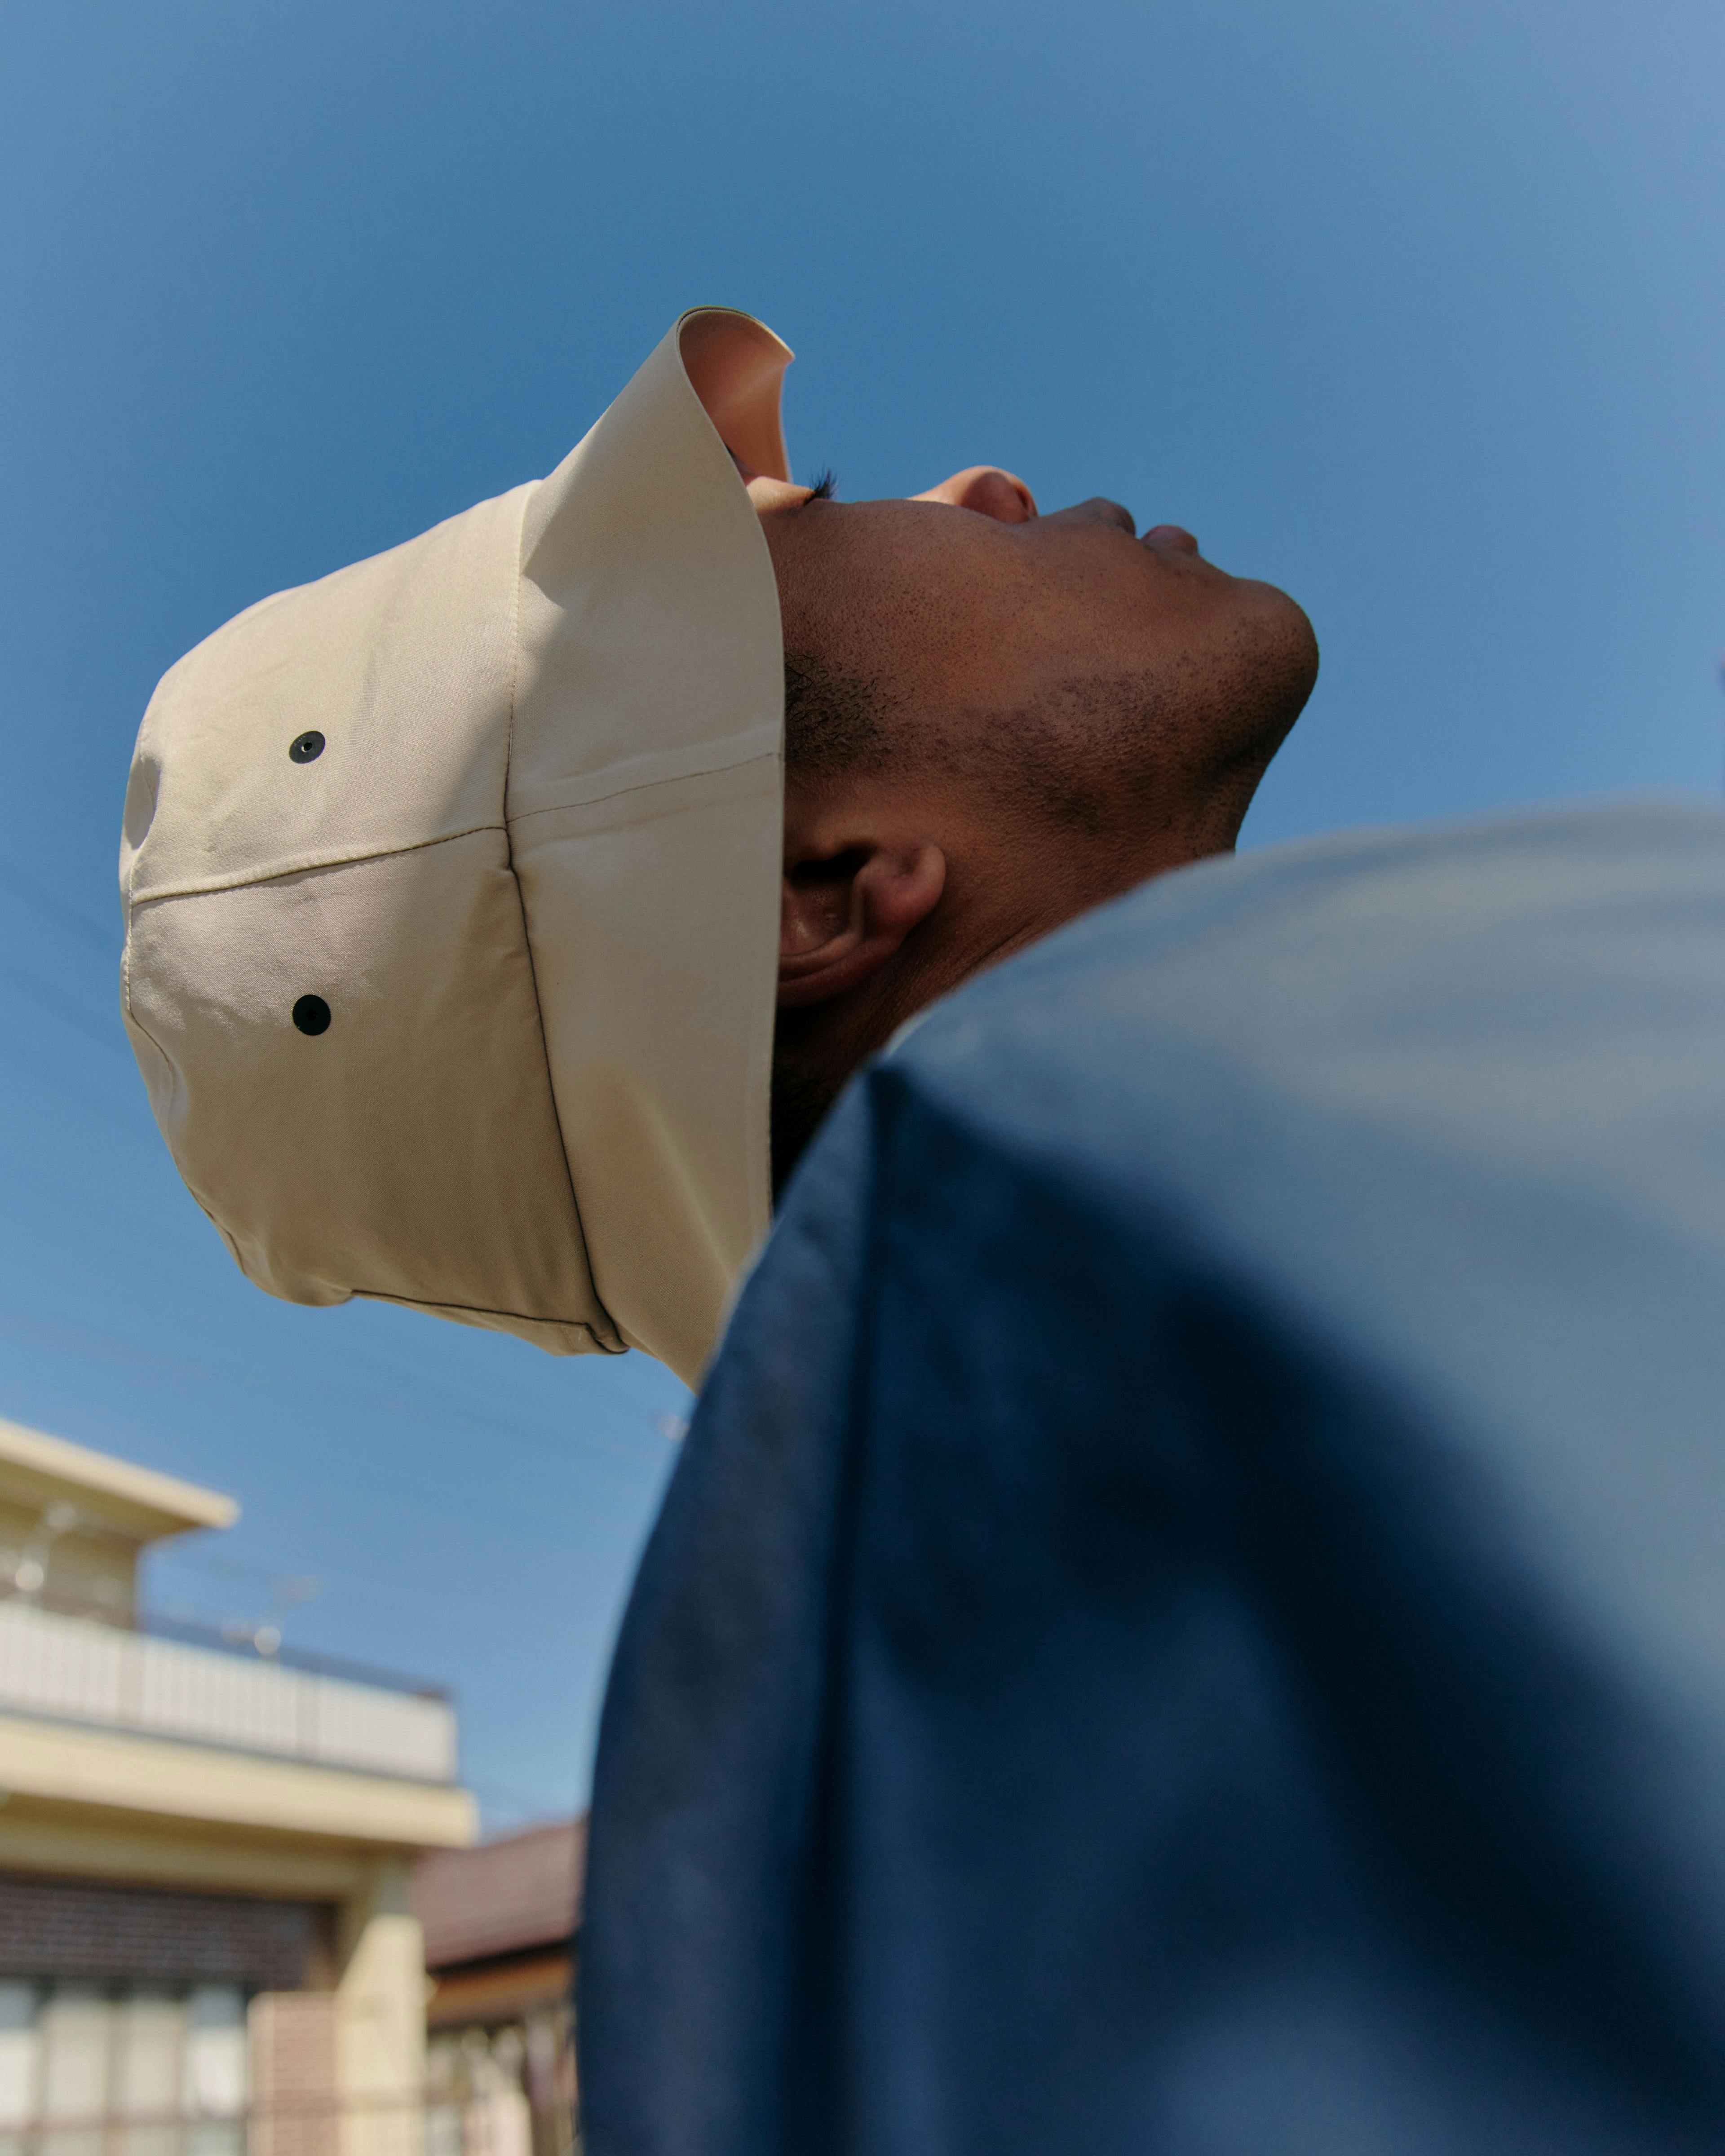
column 1002, row 495
column 986, row 490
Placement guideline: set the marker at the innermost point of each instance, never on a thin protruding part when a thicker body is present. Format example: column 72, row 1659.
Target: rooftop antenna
column 285, row 1594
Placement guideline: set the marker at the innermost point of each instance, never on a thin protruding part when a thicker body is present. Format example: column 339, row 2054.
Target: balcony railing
column 78, row 1669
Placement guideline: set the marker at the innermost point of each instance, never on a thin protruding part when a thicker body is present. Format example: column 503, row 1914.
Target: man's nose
column 989, row 490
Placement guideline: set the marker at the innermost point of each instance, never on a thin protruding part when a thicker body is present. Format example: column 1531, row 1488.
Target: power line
column 214, row 1565
column 110, row 1036
column 56, row 910
column 63, row 1084
column 528, row 1806
column 395, row 1385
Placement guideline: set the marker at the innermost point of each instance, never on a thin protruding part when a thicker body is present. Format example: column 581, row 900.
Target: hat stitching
column 482, row 1309
column 664, row 768
column 515, row 665
column 302, row 864
column 130, row 1015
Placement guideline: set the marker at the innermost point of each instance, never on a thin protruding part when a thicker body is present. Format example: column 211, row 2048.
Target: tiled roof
column 504, row 1897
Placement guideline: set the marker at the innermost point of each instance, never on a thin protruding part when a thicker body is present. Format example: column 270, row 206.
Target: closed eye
column 825, row 487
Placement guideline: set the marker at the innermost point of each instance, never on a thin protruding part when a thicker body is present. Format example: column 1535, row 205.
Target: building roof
column 136, row 1500
column 483, row 1993
column 504, row 1897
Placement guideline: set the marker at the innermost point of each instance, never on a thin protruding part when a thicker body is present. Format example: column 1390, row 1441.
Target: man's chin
column 1287, row 656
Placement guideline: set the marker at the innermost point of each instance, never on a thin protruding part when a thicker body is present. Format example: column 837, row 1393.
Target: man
column 450, row 879
column 1187, row 1617
column 995, row 720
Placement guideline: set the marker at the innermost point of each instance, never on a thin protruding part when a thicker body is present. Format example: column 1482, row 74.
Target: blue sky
column 1414, row 309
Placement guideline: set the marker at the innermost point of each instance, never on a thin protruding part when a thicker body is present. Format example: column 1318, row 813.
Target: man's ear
column 846, row 911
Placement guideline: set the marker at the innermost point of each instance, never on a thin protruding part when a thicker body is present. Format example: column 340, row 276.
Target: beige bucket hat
column 451, row 888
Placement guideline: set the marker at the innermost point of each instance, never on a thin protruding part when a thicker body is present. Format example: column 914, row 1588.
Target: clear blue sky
column 1414, row 309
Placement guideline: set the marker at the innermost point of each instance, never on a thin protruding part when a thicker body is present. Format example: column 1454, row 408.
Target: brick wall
column 52, row 1928
column 293, row 2061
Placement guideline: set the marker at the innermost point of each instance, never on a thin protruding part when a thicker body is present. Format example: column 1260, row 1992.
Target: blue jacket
column 1191, row 1617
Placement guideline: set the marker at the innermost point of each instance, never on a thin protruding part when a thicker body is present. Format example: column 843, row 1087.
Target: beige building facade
column 207, row 1939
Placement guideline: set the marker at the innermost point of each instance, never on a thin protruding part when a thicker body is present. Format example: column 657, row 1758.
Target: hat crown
column 527, row 875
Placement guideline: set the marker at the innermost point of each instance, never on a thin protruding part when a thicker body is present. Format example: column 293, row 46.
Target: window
column 100, row 2070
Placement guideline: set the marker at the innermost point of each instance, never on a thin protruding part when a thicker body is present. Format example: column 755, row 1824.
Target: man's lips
column 1161, row 538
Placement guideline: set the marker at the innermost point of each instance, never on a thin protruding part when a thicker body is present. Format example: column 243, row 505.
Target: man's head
column 453, row 881
column 994, row 720
column 451, row 886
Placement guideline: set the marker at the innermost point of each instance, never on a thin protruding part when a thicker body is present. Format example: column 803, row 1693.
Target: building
column 207, row 1941
column 500, row 1922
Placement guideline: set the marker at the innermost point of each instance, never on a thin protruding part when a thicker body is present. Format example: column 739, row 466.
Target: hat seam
column 486, row 1310
column 521, row 900
column 645, row 786
column 302, row 864
column 704, row 759
column 131, row 1016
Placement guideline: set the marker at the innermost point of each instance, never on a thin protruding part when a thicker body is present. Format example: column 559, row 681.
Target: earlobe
column 844, row 915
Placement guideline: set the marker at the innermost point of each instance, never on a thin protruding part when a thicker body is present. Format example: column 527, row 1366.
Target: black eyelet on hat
column 311, row 1014
column 306, row 748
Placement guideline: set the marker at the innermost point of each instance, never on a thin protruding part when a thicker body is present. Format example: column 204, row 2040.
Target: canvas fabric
column 533, row 874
